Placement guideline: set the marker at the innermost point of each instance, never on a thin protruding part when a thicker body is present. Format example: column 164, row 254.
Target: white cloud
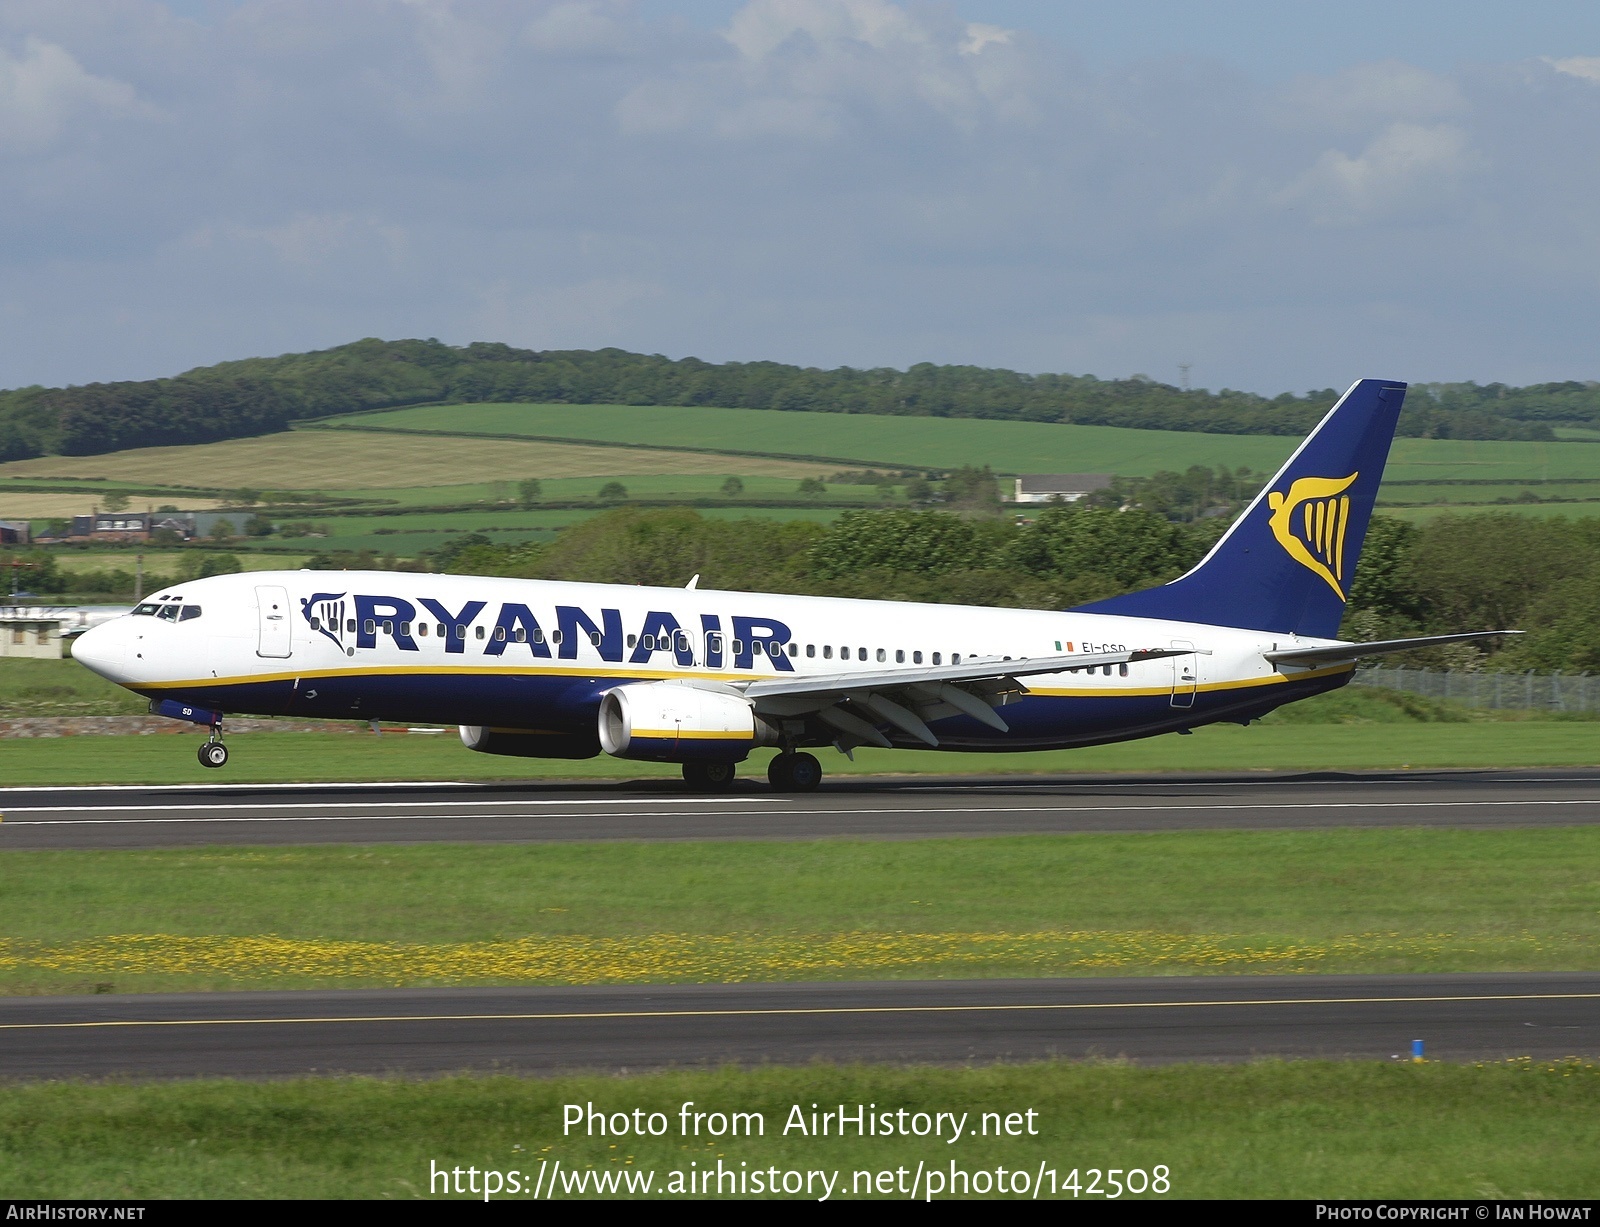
column 1405, row 167
column 817, row 69
column 577, row 26
column 1586, row 67
column 44, row 89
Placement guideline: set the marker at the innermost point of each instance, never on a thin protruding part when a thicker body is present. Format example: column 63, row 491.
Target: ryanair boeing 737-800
column 547, row 669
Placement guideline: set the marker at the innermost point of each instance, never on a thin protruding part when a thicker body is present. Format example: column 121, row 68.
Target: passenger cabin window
column 811, row 650
column 555, row 638
column 478, row 631
column 439, row 629
column 632, row 639
column 522, row 635
column 682, row 638
column 594, row 639
column 794, row 649
column 955, row 658
column 738, row 647
column 422, row 629
column 882, row 655
column 899, row 656
column 713, row 643
column 649, row 642
column 538, row 635
column 388, row 626
column 916, row 658
column 861, row 653
column 350, row 626
column 316, row 623
column 499, row 634
column 370, row 627
column 827, row 651
column 936, row 656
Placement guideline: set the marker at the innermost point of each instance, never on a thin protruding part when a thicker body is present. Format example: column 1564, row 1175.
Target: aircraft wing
column 1351, row 651
column 853, row 704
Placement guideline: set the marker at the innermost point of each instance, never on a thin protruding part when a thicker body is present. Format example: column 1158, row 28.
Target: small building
column 15, row 532
column 1068, row 487
column 33, row 633
column 130, row 525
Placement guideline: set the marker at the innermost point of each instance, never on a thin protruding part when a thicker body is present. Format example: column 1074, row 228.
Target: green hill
column 261, row 395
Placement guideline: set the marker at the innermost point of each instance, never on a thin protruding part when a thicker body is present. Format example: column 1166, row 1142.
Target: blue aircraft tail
column 1287, row 562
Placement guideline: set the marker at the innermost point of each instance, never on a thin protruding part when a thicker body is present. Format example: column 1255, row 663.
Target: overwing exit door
column 275, row 634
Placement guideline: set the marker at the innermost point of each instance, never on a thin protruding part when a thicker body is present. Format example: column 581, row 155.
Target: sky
column 1283, row 197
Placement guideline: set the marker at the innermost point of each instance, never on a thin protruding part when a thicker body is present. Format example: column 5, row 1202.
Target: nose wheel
column 213, row 753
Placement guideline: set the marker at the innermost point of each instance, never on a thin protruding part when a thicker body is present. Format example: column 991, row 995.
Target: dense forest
column 260, row 395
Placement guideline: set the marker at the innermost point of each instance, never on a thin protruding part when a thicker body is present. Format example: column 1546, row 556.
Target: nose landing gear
column 213, row 753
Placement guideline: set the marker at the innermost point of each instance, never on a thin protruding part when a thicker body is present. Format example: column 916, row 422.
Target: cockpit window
column 168, row 613
column 189, row 611
column 148, row 609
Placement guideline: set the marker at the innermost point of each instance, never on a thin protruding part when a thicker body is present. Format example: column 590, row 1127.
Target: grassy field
column 1162, row 903
column 936, row 442
column 323, row 460
column 346, row 756
column 1266, row 1130
column 1013, row 447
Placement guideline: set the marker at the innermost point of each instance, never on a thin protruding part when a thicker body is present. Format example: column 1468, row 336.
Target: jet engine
column 673, row 722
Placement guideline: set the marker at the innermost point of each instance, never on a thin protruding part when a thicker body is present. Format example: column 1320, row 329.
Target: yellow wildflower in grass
column 726, row 958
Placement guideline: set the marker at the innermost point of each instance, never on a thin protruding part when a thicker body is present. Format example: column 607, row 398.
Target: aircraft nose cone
column 103, row 649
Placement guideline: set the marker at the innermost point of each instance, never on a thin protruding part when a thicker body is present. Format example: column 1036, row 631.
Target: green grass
column 60, row 688
column 1015, row 447
column 1180, row 902
column 339, row 756
column 1264, row 1130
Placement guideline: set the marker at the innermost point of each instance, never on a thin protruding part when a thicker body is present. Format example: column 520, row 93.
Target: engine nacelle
column 670, row 722
column 527, row 743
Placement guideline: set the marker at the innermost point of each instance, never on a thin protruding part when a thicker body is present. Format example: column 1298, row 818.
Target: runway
column 639, row 1028
column 881, row 808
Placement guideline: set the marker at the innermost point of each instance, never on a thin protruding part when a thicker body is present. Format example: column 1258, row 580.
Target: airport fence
column 1501, row 691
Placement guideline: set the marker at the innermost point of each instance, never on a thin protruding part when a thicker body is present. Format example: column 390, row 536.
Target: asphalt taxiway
column 879, row 808
column 647, row 1027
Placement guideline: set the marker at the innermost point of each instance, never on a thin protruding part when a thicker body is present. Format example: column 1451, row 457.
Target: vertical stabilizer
column 1287, row 562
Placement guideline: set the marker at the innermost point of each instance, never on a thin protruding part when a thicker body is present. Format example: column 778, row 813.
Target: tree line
column 260, row 395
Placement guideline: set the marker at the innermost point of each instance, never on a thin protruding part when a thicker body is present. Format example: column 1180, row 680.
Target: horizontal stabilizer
column 1350, row 651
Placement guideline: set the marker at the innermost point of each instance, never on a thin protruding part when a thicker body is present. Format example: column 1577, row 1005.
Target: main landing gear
column 708, row 777
column 213, row 753
column 790, row 772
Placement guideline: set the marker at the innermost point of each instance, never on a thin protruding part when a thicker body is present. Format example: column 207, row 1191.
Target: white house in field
column 1068, row 487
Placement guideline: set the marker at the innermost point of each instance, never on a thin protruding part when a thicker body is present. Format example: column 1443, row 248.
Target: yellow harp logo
column 1310, row 522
